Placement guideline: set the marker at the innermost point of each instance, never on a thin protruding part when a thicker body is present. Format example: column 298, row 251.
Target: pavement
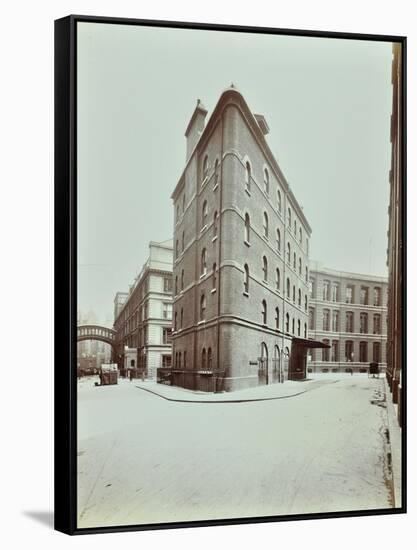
column 147, row 458
column 260, row 393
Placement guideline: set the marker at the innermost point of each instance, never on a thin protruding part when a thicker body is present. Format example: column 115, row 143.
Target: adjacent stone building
column 347, row 311
column 241, row 245
column 143, row 320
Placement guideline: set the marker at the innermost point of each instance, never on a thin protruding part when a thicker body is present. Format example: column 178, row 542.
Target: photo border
column 65, row 291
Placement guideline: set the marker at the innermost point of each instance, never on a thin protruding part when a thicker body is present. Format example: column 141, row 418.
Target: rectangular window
column 326, row 319
column 167, row 311
column 349, row 321
column 325, row 352
column 364, row 323
column 166, row 335
column 349, row 351
column 326, row 290
column 335, row 321
column 349, row 294
column 363, row 352
column 377, row 324
column 335, row 351
column 166, row 360
column 377, row 296
column 364, row 296
column 167, row 284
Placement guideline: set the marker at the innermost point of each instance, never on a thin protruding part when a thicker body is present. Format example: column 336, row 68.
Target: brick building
column 143, row 323
column 395, row 260
column 241, row 244
column 348, row 311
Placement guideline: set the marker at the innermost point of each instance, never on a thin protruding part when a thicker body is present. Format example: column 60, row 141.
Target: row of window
column 206, row 359
column 291, row 226
column 331, row 321
column 331, row 293
column 278, row 244
column 332, row 354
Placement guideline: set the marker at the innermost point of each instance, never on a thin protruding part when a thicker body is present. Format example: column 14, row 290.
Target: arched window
column 293, row 293
column 176, row 321
column 182, row 317
column 305, row 330
column 299, row 297
column 266, row 225
column 278, row 241
column 203, row 307
column 183, row 241
column 278, row 278
column 266, row 181
column 248, row 176
column 203, row 262
column 264, row 312
column 295, row 228
column 203, row 359
column 214, row 276
column 298, row 327
column 182, row 280
column 246, row 279
column 265, row 268
column 277, row 317
column 289, row 218
column 216, row 172
column 288, row 288
column 294, row 261
column 204, row 214
column 301, row 235
column 288, row 253
column 176, row 285
column 205, row 167
column 306, row 274
column 293, row 326
column 209, row 359
column 247, row 228
column 287, row 322
column 183, row 203
column 279, row 200
column 305, row 303
column 300, row 266
column 215, row 224
column 177, row 249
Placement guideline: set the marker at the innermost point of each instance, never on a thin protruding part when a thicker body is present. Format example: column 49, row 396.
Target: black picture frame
column 66, row 279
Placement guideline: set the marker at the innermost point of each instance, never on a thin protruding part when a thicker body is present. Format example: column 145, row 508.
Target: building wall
column 395, row 238
column 342, row 332
column 233, row 327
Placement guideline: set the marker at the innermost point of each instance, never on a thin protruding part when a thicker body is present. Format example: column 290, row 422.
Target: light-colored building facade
column 144, row 322
column 348, row 311
column 241, row 244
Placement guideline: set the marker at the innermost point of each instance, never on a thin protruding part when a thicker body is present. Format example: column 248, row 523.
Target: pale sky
column 327, row 103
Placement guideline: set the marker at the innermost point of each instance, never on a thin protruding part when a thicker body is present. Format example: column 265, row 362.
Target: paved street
column 144, row 459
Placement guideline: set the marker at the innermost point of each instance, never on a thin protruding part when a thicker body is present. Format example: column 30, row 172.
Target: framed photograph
column 230, row 274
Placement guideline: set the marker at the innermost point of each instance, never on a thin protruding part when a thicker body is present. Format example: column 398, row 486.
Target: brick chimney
column 195, row 127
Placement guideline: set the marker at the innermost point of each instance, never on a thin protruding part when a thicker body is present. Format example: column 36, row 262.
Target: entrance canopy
column 305, row 343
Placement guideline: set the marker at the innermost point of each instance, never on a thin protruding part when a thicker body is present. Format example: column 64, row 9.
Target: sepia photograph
column 239, row 274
